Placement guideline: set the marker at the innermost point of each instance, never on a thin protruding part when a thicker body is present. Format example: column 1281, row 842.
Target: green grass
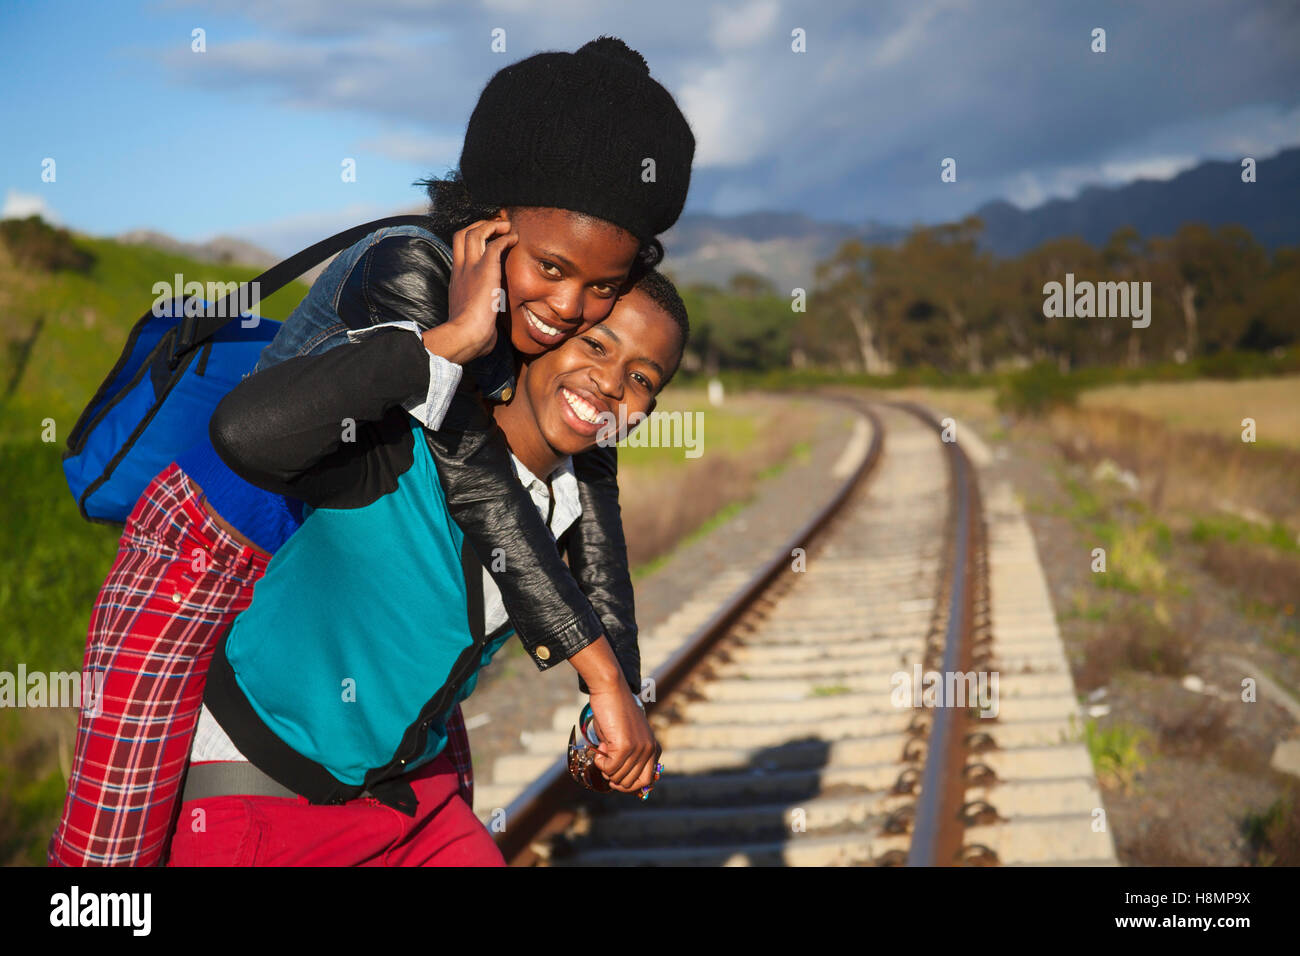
column 86, row 319
column 32, row 790
column 1274, row 832
column 1135, row 559
column 799, row 454
column 1223, row 366
column 1239, row 531
column 1287, row 641
column 1137, row 544
column 52, row 565
column 1037, row 390
column 729, row 430
column 720, row 517
column 831, row 690
column 1116, row 753
column 1085, row 504
column 1082, row 607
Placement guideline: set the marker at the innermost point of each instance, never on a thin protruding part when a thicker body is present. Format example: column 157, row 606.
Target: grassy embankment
column 668, row 498
column 1158, row 475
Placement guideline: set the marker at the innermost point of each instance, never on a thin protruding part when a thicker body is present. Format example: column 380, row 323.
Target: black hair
column 664, row 294
column 452, row 208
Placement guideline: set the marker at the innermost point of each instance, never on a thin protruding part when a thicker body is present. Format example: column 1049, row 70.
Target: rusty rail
column 541, row 809
column 546, row 806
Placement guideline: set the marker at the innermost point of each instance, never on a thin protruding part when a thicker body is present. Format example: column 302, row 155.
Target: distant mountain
column 1211, row 192
column 223, row 250
column 784, row 247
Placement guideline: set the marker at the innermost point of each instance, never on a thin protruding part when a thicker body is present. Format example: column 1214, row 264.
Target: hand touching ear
column 476, row 291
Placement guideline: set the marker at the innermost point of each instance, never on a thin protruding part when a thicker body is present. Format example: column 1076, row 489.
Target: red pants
column 152, row 635
column 279, row 831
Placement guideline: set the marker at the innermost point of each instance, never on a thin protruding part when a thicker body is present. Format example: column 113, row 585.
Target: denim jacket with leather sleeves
column 404, row 272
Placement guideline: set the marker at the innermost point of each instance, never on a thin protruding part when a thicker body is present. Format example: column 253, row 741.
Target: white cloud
column 554, row 9
column 1150, row 167
column 1025, row 191
column 324, row 17
column 882, row 88
column 912, row 34
column 1254, row 131
column 20, row 205
column 743, row 26
column 727, row 131
column 1029, row 188
column 1258, row 131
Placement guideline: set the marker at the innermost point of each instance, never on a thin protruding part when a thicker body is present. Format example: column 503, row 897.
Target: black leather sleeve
column 598, row 556
column 553, row 618
column 405, row 277
column 326, row 429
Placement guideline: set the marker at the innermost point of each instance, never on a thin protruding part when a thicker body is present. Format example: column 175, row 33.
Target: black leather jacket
column 556, row 610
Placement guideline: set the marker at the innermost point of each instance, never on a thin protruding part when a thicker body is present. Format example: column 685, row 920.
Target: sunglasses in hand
column 584, row 744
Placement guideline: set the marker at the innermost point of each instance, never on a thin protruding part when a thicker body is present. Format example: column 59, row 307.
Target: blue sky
column 247, row 138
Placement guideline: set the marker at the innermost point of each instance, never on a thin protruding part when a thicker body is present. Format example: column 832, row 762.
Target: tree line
column 937, row 300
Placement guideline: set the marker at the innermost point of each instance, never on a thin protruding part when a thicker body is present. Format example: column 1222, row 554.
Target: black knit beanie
column 574, row 131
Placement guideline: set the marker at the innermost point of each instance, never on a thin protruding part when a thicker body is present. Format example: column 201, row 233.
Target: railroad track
column 798, row 722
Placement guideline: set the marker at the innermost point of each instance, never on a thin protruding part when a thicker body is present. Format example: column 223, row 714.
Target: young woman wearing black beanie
column 573, row 164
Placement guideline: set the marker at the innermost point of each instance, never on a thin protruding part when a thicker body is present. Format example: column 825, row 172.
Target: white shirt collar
column 564, row 485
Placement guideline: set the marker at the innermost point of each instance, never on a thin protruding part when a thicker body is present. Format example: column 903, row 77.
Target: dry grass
column 1133, row 639
column 1191, row 725
column 971, row 405
column 1183, row 439
column 1274, row 834
column 1158, row 842
column 660, row 510
column 1257, row 572
column 1211, row 407
column 667, row 498
column 1180, row 471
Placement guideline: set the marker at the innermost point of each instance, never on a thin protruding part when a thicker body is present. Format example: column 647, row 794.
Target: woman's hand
column 475, row 291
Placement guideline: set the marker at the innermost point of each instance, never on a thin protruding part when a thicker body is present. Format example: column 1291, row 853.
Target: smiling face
column 615, row 368
column 563, row 274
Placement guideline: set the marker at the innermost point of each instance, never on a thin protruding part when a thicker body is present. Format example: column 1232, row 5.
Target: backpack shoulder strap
column 198, row 328
column 473, row 571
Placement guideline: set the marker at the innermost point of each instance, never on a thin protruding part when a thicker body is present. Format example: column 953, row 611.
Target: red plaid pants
column 177, row 581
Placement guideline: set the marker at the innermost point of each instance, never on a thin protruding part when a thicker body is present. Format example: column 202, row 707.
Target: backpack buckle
column 183, row 336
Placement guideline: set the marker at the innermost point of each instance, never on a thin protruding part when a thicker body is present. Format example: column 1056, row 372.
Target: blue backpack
column 175, row 368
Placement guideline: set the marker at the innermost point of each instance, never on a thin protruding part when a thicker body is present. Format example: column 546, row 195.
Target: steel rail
column 541, row 808
column 937, row 827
